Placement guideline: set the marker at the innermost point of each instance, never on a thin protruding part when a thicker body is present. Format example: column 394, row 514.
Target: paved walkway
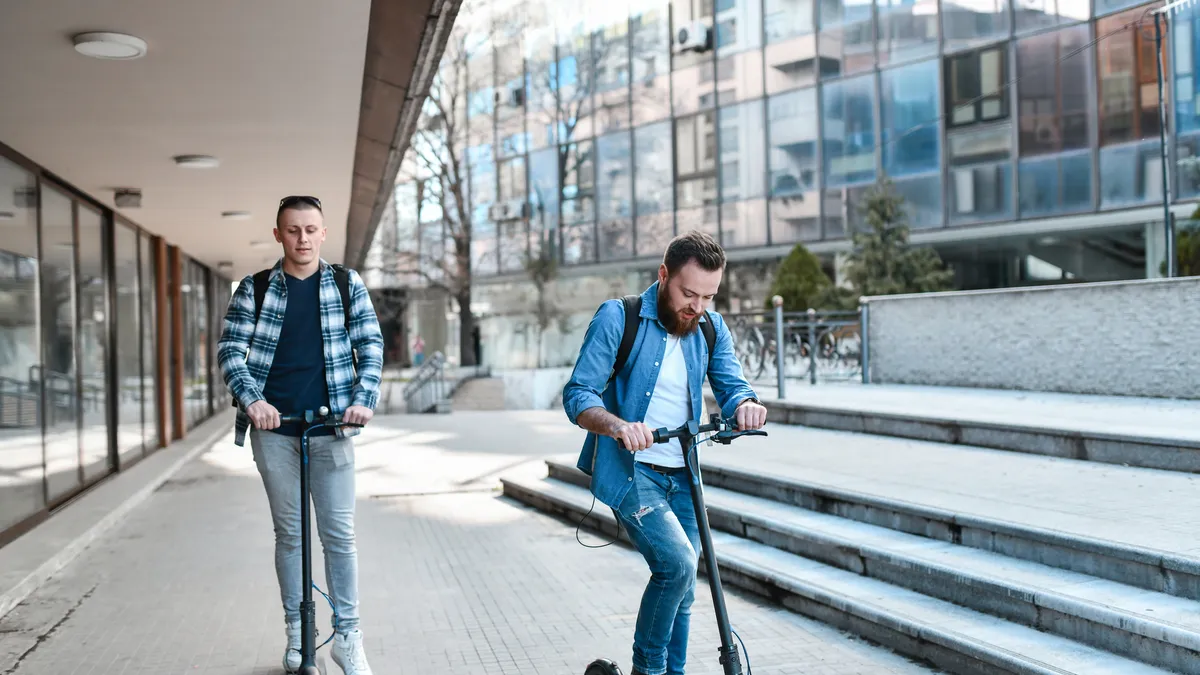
column 455, row 579
column 1168, row 418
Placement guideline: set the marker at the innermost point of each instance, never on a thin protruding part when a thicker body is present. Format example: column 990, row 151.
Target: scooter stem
column 308, row 610
column 730, row 659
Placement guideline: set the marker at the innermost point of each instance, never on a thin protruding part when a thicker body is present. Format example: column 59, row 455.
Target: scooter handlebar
column 726, row 431
column 321, row 417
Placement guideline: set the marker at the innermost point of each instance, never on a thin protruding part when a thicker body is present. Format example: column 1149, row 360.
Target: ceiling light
column 7, row 215
column 197, row 161
column 111, row 46
column 235, row 215
column 260, row 244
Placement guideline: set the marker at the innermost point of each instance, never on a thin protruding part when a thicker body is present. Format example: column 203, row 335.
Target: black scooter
column 309, row 664
column 688, row 437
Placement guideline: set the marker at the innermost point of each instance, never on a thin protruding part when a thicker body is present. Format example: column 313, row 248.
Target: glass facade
column 764, row 122
column 81, row 390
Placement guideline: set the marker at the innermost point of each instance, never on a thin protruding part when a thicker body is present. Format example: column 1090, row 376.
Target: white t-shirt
column 670, row 406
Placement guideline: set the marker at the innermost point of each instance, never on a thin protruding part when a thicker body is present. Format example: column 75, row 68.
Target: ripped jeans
column 659, row 517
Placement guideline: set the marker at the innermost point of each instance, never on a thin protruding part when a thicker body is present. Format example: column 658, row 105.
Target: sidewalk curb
column 94, row 533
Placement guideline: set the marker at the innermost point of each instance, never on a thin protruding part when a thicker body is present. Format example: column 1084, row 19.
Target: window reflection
column 149, row 314
column 848, row 110
column 980, row 174
column 614, row 193
column 610, row 42
column 696, row 161
column 93, row 291
column 1031, row 15
column 743, row 150
column 1128, row 76
column 910, row 128
column 544, row 188
column 795, row 204
column 847, row 36
column 20, row 396
column 651, row 61
column 58, row 376
column 966, row 23
column 578, row 171
column 128, row 345
column 1055, row 184
column 786, row 19
column 908, row 29
column 976, row 91
column 1054, row 97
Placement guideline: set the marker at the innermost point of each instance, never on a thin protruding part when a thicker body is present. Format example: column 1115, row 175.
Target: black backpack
column 341, row 276
column 633, row 322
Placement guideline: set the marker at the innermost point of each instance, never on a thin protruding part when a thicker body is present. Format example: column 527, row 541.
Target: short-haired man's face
column 301, row 231
column 683, row 296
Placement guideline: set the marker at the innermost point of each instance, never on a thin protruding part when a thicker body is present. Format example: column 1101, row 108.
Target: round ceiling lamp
column 235, row 215
column 197, row 161
column 110, row 46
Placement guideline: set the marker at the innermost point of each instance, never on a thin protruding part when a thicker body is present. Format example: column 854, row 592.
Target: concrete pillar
column 1156, row 249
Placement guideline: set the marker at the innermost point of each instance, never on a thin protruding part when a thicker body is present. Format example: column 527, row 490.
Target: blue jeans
column 331, row 486
column 658, row 515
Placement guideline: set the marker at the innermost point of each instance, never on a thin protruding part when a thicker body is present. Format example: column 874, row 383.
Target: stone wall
column 1136, row 338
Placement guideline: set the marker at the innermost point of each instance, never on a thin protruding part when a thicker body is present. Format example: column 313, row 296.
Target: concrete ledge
column 38, row 555
column 871, row 609
column 1144, row 568
column 1148, row 452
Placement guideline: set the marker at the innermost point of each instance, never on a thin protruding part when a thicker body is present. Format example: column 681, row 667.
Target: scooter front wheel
column 602, row 667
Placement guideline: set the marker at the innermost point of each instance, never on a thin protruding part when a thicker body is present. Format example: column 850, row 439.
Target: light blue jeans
column 331, row 484
column 657, row 513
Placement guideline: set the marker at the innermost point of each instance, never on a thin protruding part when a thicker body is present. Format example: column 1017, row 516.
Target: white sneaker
column 348, row 653
column 291, row 655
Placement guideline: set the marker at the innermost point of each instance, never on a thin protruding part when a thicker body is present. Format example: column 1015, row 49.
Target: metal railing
column 817, row 345
column 428, row 387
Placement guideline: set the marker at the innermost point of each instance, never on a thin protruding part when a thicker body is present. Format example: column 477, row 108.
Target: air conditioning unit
column 693, row 37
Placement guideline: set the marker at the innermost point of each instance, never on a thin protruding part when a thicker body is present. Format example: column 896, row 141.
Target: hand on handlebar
column 263, row 415
column 633, row 436
column 357, row 415
column 750, row 415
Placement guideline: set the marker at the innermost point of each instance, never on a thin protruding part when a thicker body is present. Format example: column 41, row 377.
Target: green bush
column 799, row 279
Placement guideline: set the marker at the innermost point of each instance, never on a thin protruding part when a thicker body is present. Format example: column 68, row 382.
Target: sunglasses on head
column 288, row 202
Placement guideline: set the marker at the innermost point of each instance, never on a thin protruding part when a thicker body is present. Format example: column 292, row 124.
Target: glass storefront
column 81, row 385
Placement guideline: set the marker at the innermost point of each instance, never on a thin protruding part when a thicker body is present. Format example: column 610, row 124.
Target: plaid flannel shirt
column 246, row 350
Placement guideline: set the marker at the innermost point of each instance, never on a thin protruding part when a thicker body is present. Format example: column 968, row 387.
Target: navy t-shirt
column 296, row 382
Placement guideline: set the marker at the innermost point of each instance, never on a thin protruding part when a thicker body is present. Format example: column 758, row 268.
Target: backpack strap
column 262, row 280
column 633, row 322
column 341, row 276
column 710, row 334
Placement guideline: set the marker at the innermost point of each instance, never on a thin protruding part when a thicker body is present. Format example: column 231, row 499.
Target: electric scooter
column 688, row 437
column 309, row 665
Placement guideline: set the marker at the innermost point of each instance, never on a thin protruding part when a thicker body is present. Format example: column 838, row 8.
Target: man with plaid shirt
column 300, row 351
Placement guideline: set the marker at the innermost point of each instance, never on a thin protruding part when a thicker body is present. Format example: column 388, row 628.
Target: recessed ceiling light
column 111, row 46
column 7, row 215
column 197, row 161
column 235, row 215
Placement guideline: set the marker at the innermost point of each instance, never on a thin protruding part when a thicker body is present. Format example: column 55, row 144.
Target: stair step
column 1149, row 626
column 952, row 637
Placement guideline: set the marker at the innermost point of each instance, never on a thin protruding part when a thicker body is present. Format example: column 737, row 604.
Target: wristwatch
column 746, row 400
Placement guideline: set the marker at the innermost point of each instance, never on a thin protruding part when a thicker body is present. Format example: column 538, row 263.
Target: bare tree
column 441, row 173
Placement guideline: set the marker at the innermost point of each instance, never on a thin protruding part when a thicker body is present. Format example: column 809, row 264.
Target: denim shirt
column 611, row 467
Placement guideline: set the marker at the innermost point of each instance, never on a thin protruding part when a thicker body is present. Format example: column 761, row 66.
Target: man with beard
column 659, row 385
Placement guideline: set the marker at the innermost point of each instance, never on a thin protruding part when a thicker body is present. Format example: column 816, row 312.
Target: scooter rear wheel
column 602, row 667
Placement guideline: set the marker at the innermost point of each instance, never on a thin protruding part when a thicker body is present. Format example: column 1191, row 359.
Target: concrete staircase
column 481, row 393
column 919, row 565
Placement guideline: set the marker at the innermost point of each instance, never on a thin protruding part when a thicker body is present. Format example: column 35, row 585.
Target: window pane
column 544, row 188
column 485, row 258
column 610, row 41
column 695, row 160
column 1130, row 174
column 514, row 240
column 743, row 146
column 21, row 496
column 740, row 77
column 578, row 171
column 738, row 26
column 93, row 289
column 910, row 130
column 970, row 22
column 922, row 200
column 654, row 232
column 1054, row 97
column 1056, row 184
column 847, row 37
column 786, row 19
column 128, row 347
column 579, row 244
column 792, row 127
column 1187, row 152
column 980, row 192
column 575, row 74
column 1128, row 77
column 512, row 180
column 1034, row 14
column 541, row 107
column 694, row 89
column 976, row 87
column 149, row 312
column 1106, row 6
column 651, row 61
column 848, row 113
column 744, row 223
column 653, row 187
column 908, row 29
column 1183, row 62
column 614, row 187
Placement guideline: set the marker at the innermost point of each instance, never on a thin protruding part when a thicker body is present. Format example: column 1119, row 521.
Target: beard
column 671, row 319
